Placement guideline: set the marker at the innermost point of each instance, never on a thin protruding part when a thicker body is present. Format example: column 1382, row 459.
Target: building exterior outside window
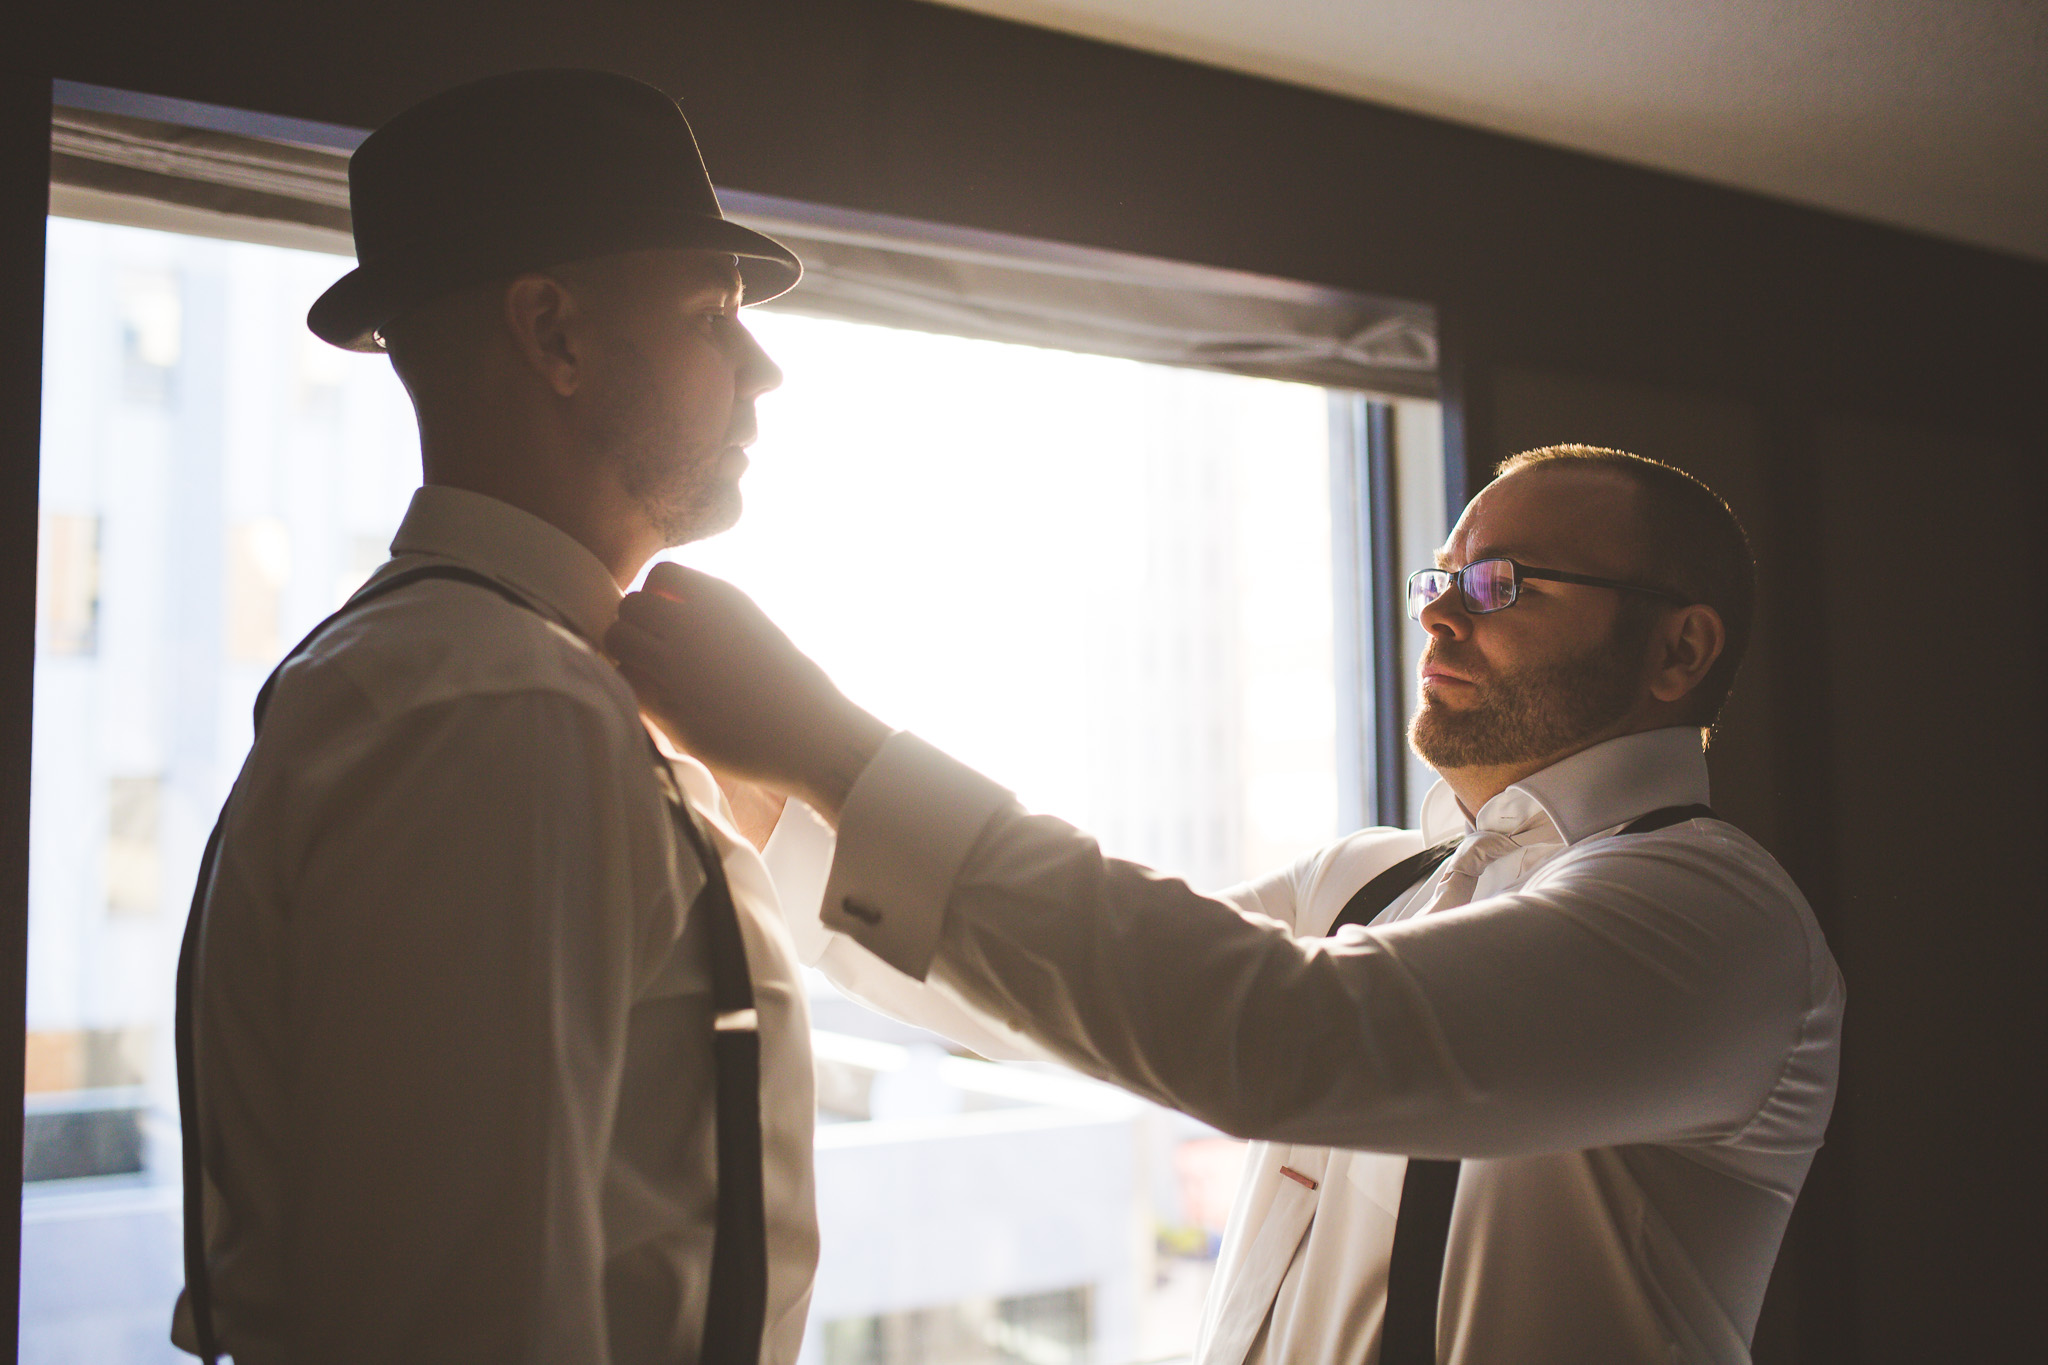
column 67, row 584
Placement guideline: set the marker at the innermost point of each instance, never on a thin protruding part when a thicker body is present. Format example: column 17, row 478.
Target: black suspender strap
column 1422, row 1231
column 198, row 1279
column 1415, row 1268
column 1429, row 1188
column 737, row 1309
column 1668, row 816
column 736, row 1312
column 1376, row 895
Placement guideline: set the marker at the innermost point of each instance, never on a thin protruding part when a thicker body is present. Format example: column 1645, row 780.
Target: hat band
column 482, row 250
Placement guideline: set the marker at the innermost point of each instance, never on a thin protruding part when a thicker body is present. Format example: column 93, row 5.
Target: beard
column 1525, row 714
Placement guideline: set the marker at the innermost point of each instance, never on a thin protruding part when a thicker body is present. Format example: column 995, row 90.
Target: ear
column 1683, row 648
column 546, row 325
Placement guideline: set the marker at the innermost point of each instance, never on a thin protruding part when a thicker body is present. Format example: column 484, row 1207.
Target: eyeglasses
column 1493, row 585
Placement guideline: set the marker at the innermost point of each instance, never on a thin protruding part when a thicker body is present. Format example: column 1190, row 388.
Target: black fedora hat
column 520, row 172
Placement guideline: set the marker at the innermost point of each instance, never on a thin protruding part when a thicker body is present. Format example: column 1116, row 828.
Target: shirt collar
column 515, row 547
column 1590, row 791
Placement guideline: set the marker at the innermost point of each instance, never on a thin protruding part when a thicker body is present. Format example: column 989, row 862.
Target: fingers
column 651, row 607
column 672, row 580
column 637, row 651
column 677, row 600
column 637, row 655
column 669, row 594
column 688, row 587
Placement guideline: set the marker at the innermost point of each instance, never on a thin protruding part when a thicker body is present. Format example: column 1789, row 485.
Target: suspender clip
column 738, row 1021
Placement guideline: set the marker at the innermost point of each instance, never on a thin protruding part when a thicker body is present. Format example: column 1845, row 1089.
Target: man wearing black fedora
column 491, row 1044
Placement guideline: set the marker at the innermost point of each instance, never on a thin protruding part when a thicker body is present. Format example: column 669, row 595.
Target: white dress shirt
column 1632, row 1043
column 454, row 1016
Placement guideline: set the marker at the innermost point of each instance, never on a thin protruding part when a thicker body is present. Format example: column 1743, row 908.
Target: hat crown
column 522, row 172
column 542, row 147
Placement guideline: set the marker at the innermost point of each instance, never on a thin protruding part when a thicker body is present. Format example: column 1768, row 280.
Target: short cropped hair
column 1692, row 545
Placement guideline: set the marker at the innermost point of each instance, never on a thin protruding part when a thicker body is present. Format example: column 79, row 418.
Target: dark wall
column 1870, row 399
column 24, row 160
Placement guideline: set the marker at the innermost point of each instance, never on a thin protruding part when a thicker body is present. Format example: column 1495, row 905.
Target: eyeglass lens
column 1487, row 585
column 1424, row 587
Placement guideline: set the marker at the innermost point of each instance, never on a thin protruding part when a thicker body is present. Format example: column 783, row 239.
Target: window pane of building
column 134, row 865
column 67, row 583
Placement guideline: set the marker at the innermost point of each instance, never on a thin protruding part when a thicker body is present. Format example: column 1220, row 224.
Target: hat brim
column 361, row 303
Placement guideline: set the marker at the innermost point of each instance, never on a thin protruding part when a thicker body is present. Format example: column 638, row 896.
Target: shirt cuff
column 907, row 826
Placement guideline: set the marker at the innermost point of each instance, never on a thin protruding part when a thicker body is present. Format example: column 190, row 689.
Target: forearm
column 1511, row 1028
column 1586, row 1016
column 1136, row 978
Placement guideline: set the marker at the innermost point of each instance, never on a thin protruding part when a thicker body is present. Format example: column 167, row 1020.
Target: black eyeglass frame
column 1520, row 572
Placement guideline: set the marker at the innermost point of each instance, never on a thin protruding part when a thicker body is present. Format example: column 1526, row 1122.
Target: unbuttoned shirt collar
column 541, row 561
column 1591, row 792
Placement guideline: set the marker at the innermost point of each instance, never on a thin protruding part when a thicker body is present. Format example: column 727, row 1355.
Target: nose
column 1445, row 616
column 753, row 373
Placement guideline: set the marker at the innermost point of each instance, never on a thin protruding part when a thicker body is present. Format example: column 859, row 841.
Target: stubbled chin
column 716, row 509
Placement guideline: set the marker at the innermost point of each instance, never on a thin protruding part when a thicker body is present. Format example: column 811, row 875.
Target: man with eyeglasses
column 1538, row 1082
